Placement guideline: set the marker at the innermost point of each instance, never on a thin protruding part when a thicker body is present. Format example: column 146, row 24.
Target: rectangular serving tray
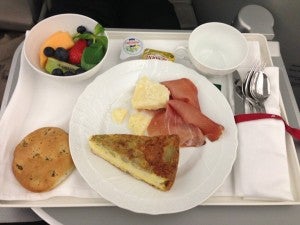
column 166, row 41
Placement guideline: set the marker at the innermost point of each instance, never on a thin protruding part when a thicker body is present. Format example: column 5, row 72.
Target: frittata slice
column 153, row 160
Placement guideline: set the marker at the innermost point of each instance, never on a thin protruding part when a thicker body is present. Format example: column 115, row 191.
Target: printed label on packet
column 132, row 47
column 156, row 54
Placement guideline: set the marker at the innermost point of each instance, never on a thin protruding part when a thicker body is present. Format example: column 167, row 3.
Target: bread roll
column 42, row 159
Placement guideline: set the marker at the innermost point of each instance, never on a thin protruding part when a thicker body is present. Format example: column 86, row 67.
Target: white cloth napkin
column 261, row 168
column 35, row 104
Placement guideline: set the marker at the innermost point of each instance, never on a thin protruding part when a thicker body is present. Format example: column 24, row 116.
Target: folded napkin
column 261, row 168
column 35, row 104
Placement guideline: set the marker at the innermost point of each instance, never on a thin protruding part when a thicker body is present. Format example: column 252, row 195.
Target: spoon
column 246, row 91
column 260, row 88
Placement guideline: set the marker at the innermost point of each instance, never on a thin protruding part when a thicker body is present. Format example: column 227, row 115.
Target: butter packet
column 132, row 47
column 156, row 54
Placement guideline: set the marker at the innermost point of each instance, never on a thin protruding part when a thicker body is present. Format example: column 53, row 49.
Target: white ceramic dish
column 217, row 48
column 201, row 170
column 41, row 31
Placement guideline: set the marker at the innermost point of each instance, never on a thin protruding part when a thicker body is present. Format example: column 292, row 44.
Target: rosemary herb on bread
column 42, row 159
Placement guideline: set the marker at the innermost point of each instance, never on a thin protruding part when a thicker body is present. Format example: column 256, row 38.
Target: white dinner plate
column 201, row 170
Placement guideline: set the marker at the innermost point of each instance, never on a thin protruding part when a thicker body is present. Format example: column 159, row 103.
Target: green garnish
column 96, row 36
column 99, row 29
column 94, row 53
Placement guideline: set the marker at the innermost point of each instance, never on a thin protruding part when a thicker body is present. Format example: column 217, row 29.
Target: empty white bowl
column 42, row 30
column 217, row 48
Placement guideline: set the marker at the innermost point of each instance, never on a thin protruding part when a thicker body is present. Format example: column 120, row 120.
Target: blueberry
column 81, row 29
column 89, row 42
column 61, row 54
column 79, row 70
column 49, row 51
column 57, row 72
column 68, row 73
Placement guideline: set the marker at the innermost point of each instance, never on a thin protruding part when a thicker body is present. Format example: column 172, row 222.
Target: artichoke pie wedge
column 153, row 160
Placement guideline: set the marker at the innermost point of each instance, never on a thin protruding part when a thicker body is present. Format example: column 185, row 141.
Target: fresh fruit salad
column 63, row 54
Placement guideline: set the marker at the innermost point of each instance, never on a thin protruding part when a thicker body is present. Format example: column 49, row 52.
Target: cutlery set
column 253, row 91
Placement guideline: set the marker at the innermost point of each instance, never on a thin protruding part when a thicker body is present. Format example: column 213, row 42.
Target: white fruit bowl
column 217, row 48
column 42, row 30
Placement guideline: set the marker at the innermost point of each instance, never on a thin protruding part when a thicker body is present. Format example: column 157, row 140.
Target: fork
column 246, row 84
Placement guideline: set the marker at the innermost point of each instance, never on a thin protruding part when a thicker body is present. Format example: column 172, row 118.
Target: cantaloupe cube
column 58, row 39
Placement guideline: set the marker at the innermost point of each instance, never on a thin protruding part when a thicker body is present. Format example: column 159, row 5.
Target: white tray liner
column 155, row 40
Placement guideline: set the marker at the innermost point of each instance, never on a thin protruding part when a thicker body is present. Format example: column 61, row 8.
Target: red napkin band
column 257, row 116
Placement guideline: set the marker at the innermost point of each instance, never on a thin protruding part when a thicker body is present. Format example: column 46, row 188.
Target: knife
column 238, row 97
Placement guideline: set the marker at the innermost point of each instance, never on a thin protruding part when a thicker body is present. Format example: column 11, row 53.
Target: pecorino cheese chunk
column 149, row 95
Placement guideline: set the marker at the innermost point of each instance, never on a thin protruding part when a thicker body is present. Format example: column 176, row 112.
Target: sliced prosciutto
column 192, row 115
column 183, row 116
column 169, row 122
column 158, row 124
column 183, row 89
